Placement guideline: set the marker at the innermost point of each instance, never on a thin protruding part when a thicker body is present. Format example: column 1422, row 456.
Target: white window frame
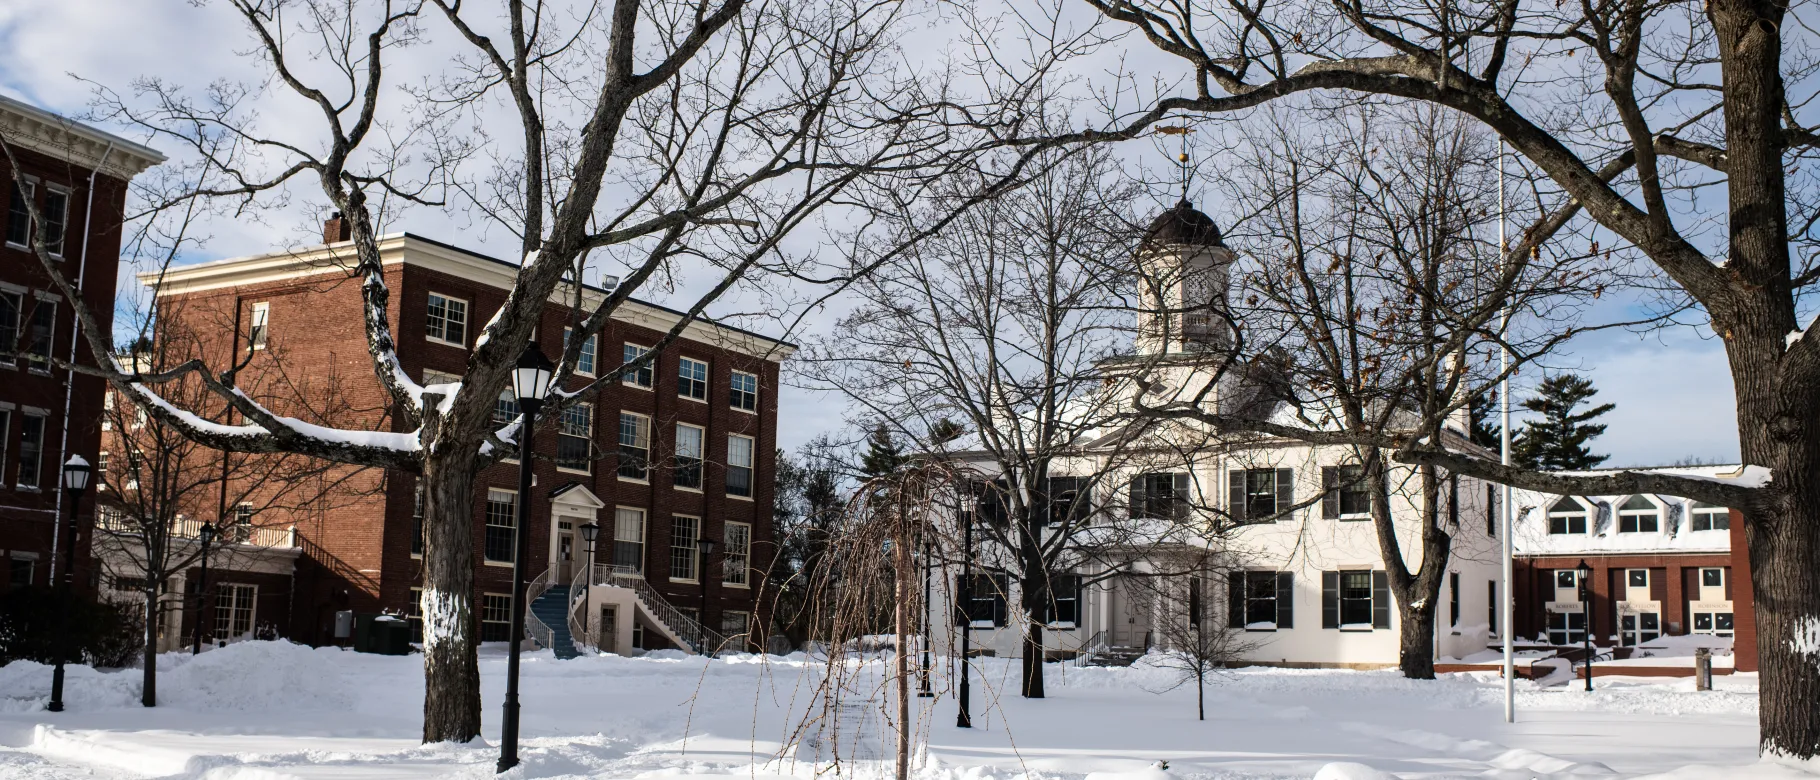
column 694, row 549
column 1696, row 510
column 1584, row 513
column 466, row 309
column 701, row 468
column 751, row 467
column 233, row 610
column 630, row 379
column 1640, row 514
column 562, row 420
column 590, row 350
column 622, row 515
column 43, row 417
column 490, row 605
column 486, row 523
column 732, row 387
column 29, row 188
column 619, row 442
column 18, row 297
column 44, row 302
column 56, row 248
column 736, row 566
column 707, row 378
column 259, row 329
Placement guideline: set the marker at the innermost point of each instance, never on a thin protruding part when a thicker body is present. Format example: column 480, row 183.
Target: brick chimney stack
column 336, row 229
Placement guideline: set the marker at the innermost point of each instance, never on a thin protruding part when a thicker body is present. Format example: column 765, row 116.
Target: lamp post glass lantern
column 1584, row 573
column 531, row 379
column 75, row 482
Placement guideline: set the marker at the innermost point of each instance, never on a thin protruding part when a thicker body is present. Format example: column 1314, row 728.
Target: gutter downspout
column 69, row 389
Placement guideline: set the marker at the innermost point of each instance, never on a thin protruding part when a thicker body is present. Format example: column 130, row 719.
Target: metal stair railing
column 1091, row 649
column 578, row 623
column 700, row 638
column 535, row 628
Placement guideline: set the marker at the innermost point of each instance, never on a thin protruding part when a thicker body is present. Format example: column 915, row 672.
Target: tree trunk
column 901, row 663
column 148, row 687
column 1416, row 639
column 451, row 670
column 1033, row 654
column 1200, row 695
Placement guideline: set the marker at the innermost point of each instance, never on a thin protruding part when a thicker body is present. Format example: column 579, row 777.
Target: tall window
column 584, row 363
column 495, row 617
column 257, row 333
column 12, row 307
column 413, row 614
column 744, row 393
column 31, row 449
column 634, row 446
column 6, row 430
column 448, row 320
column 502, row 525
column 505, row 407
column 641, row 376
column 684, row 533
column 1260, row 600
column 739, row 465
column 1064, row 605
column 1639, row 515
column 242, row 528
column 1707, row 517
column 736, row 568
column 1257, row 495
column 1453, row 598
column 980, row 599
column 1345, row 495
column 38, row 335
column 575, row 438
column 1355, row 599
column 687, row 469
column 629, row 539
column 56, row 210
column 1567, row 516
column 1159, row 496
column 18, row 215
column 417, row 519
column 692, row 379
column 1068, row 500
column 234, row 609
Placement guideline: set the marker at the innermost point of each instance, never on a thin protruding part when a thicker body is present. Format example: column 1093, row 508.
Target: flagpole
column 1507, row 628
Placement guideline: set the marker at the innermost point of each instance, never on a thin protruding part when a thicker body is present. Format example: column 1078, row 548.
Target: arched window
column 1639, row 515
column 1567, row 516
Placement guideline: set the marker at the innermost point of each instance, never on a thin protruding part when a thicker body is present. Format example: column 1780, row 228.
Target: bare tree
column 1628, row 111
column 156, row 487
column 1193, row 643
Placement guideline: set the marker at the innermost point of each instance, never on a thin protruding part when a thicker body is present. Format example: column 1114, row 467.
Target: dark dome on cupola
column 1182, row 225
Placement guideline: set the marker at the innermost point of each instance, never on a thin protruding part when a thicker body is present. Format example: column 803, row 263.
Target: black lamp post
column 75, row 483
column 1585, row 573
column 530, row 383
column 965, row 718
column 589, row 532
column 207, row 534
column 923, row 690
column 706, row 547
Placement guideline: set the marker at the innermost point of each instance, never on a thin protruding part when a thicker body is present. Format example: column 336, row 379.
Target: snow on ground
column 272, row 711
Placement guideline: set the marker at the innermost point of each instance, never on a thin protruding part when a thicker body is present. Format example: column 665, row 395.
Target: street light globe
column 589, row 531
column 75, row 474
column 531, row 377
column 706, row 546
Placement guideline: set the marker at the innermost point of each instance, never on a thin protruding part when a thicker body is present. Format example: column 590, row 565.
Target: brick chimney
column 335, row 229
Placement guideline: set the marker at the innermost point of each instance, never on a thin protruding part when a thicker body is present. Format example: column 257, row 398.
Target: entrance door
column 565, row 552
column 1130, row 614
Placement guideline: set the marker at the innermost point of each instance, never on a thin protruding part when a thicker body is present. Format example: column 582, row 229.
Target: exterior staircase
column 1115, row 656
column 551, row 607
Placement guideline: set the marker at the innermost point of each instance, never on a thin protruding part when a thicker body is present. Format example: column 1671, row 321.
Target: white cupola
column 1185, row 270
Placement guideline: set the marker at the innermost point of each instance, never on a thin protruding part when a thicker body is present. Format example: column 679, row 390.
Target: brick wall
column 1744, row 599
column 1534, row 583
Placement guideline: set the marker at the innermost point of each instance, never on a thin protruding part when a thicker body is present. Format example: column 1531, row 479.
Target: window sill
column 1353, row 518
column 739, row 498
column 633, row 480
column 753, row 412
column 677, row 581
column 434, row 340
column 634, row 385
column 739, row 585
column 28, row 488
column 684, row 489
column 581, row 472
column 692, row 398
column 500, row 564
column 1357, row 630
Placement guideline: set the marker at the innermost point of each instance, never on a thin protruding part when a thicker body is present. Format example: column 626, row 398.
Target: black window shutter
column 963, row 599
column 1330, row 493
column 1179, row 501
column 1380, row 599
column 1235, row 599
column 1285, row 489
column 1136, row 501
column 1235, row 494
column 1453, row 606
column 1001, row 583
column 1285, row 600
column 1330, row 599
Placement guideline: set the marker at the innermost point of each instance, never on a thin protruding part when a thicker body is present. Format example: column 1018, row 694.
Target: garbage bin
column 391, row 635
column 1703, row 669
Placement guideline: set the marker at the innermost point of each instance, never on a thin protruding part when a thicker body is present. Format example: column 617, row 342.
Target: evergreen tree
column 1480, row 412
column 1558, row 442
column 883, row 454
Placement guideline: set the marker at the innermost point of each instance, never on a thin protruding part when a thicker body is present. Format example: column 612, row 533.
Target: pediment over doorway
column 576, row 494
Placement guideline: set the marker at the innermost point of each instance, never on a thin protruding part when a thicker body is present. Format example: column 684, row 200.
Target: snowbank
column 254, row 675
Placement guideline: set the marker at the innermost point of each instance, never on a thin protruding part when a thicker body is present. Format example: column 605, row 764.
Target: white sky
column 1672, row 390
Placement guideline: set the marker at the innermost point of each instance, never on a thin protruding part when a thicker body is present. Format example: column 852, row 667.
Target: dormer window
column 1639, row 515
column 1567, row 516
column 1707, row 517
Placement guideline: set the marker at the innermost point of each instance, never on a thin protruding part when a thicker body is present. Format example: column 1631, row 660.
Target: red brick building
column 1660, row 566
column 663, row 459
column 77, row 177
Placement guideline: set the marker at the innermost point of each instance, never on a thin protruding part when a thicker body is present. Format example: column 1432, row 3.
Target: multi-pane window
column 744, row 391
column 1639, row 515
column 738, row 562
column 1345, row 495
column 12, row 308
column 629, row 539
column 495, row 617
column 740, row 451
column 1064, row 604
column 1159, row 496
column 18, row 215
column 260, row 328
column 39, row 330
column 686, row 471
column 634, row 445
column 692, row 379
column 1707, row 517
column 584, row 363
column 502, row 526
column 413, row 614
column 685, row 532
column 31, row 449
column 56, row 210
column 641, row 376
column 417, row 519
column 1068, row 500
column 981, row 599
column 24, row 566
column 1355, row 599
column 241, row 527
column 735, row 624
column 505, row 407
column 575, row 438
column 234, row 610
column 448, row 320
column 1257, row 495
column 1260, row 600
column 1566, row 628
column 1567, row 516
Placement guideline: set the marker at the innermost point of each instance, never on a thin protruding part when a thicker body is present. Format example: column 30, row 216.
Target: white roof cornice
column 30, row 127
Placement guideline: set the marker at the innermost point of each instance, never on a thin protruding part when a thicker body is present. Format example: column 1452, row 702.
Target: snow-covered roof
column 1674, row 532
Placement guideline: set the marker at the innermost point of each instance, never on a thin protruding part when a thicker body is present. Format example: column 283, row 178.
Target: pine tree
column 883, row 454
column 1483, row 432
column 1558, row 442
